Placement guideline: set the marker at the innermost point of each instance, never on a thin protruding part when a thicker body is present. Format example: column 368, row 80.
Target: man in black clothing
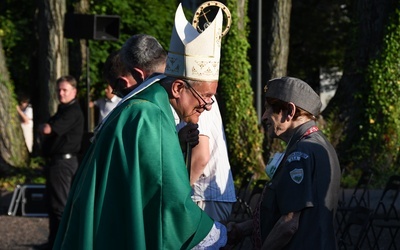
column 62, row 136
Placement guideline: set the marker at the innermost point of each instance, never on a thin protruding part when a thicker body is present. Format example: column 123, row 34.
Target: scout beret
column 290, row 89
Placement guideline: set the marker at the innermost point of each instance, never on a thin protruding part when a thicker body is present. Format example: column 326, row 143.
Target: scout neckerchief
column 257, row 242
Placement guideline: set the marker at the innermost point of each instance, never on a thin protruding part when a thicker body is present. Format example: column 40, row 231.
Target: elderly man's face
column 275, row 122
column 195, row 99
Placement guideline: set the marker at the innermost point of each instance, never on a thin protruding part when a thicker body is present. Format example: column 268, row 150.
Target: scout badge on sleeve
column 297, row 175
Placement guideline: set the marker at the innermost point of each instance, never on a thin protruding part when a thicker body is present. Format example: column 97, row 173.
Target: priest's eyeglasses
column 206, row 105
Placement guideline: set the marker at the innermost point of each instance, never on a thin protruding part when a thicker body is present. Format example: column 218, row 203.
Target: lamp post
column 259, row 63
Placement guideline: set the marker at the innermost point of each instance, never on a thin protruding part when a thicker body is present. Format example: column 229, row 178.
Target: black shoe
column 45, row 246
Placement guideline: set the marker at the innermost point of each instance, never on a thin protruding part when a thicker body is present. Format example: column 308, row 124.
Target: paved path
column 22, row 233
column 17, row 232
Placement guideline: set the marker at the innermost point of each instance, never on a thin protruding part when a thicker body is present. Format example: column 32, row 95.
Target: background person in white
column 25, row 113
column 211, row 176
column 106, row 104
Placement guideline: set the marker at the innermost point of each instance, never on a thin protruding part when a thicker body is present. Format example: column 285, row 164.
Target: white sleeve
column 215, row 239
column 205, row 121
column 29, row 112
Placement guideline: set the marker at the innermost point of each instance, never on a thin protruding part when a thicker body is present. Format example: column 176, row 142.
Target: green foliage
column 243, row 134
column 32, row 173
column 152, row 17
column 350, row 178
column 17, row 33
column 380, row 142
column 332, row 127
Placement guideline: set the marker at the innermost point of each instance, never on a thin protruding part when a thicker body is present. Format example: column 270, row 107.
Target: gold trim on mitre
column 194, row 55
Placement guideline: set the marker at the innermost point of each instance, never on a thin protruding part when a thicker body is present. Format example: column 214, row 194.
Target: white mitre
column 194, row 55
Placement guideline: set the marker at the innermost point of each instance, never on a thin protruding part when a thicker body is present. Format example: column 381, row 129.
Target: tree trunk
column 276, row 37
column 4, row 74
column 53, row 55
column 52, row 61
column 13, row 151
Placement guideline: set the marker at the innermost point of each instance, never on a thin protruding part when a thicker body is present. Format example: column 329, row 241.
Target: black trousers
column 59, row 175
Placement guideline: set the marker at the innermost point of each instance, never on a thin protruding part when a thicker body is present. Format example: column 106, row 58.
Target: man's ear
column 122, row 82
column 139, row 75
column 291, row 110
column 176, row 88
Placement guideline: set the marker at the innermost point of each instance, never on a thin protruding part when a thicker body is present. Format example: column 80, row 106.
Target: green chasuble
column 132, row 189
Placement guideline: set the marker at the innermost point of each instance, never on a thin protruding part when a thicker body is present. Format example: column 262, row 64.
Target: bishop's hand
column 188, row 135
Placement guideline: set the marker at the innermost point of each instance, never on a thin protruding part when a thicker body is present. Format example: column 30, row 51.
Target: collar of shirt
column 113, row 99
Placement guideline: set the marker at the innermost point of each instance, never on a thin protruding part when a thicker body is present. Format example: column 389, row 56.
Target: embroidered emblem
column 172, row 60
column 297, row 175
column 296, row 156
